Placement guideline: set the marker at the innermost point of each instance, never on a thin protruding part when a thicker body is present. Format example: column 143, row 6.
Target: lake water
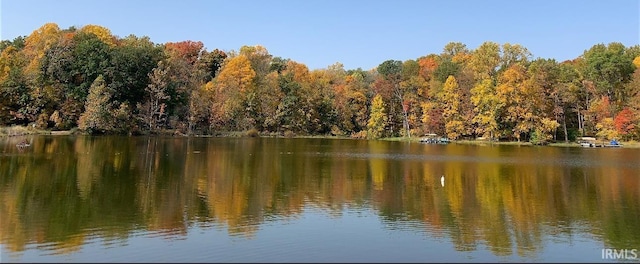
column 163, row 199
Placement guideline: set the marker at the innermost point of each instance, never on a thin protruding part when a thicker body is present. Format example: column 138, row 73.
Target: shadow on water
column 65, row 192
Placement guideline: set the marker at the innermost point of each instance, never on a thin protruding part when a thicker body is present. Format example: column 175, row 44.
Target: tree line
column 100, row 83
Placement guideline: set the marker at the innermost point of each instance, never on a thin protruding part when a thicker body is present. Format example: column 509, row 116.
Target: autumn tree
column 599, row 109
column 513, row 54
column 391, row 71
column 377, row 119
column 517, row 116
column 97, row 117
column 430, row 72
column 542, row 98
column 307, row 103
column 453, row 120
column 37, row 43
column 626, row 123
column 413, row 86
column 210, row 63
column 606, row 129
column 188, row 50
column 57, row 80
column 544, row 131
column 287, row 111
column 456, row 52
column 153, row 112
column 487, row 107
column 566, row 97
column 636, row 62
column 270, row 97
column 35, row 48
column 14, row 92
column 103, row 33
column 234, row 85
column 431, row 118
column 350, row 101
column 634, row 97
column 384, row 88
column 321, row 116
column 428, row 65
column 485, row 60
column 260, row 61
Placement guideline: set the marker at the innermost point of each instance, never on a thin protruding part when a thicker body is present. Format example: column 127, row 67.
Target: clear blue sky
column 356, row 33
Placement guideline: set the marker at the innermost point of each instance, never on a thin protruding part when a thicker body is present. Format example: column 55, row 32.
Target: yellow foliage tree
column 544, row 130
column 104, row 34
column 38, row 43
column 487, row 105
column 511, row 92
column 233, row 85
column 377, row 119
column 451, row 99
column 636, row 62
column 607, row 129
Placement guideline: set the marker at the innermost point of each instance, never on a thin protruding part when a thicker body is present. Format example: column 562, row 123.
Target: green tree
column 446, row 68
column 92, row 57
column 572, row 91
column 17, row 43
column 377, row 119
column 453, row 50
column 131, row 63
column 609, row 67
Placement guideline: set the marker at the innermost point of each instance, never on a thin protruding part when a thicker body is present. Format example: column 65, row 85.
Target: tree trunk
column 564, row 126
column 405, row 122
column 580, row 125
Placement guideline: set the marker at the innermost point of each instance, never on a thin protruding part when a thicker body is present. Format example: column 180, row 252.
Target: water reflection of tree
column 74, row 188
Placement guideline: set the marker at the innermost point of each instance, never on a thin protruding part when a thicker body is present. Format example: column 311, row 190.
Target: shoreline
column 24, row 131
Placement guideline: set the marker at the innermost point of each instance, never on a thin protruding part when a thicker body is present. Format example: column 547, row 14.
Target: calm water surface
column 155, row 199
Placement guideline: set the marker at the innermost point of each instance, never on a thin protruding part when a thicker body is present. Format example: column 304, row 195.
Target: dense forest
column 88, row 78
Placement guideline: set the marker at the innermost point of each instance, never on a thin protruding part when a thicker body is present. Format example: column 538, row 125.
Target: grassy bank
column 402, row 139
column 28, row 130
column 21, row 130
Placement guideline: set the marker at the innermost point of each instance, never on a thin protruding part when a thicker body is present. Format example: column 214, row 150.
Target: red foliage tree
column 188, row 50
column 625, row 122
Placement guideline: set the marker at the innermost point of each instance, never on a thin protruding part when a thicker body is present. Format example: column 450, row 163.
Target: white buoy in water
column 442, row 180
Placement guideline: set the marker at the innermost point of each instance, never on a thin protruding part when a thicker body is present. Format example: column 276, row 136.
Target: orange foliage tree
column 625, row 122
